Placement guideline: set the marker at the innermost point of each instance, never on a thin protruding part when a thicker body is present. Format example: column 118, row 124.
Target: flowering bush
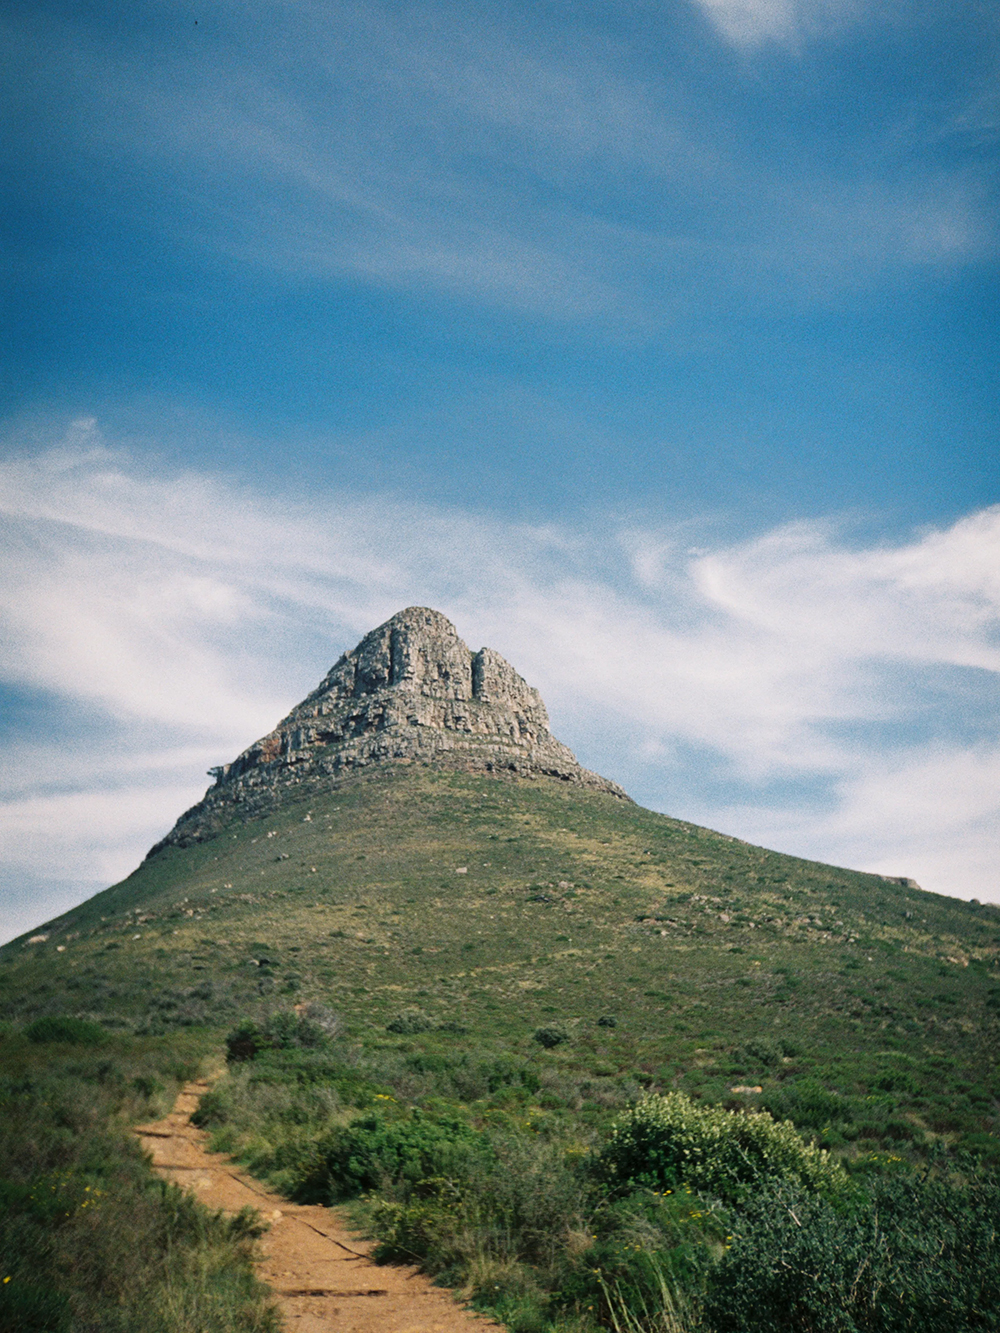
column 666, row 1141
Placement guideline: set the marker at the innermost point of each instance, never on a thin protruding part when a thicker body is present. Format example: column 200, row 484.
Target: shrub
column 283, row 1031
column 666, row 1141
column 504, row 1072
column 73, row 1031
column 244, row 1041
column 810, row 1105
column 895, row 1080
column 921, row 1255
column 409, row 1023
column 549, row 1037
column 371, row 1151
column 146, row 1086
column 510, row 1204
column 760, row 1052
column 319, row 1016
column 534, row 1193
column 30, row 1307
column 428, row 1226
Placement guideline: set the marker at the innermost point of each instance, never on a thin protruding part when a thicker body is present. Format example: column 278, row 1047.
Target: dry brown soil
column 320, row 1272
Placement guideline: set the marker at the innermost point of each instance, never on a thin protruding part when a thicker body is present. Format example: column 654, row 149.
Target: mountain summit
column 410, row 692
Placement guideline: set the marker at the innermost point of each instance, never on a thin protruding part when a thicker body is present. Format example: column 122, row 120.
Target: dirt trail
column 322, row 1275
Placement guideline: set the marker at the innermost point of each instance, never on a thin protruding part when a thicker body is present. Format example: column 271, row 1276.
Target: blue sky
column 655, row 343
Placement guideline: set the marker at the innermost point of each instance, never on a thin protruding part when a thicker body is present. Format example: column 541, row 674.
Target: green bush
column 512, row 1204
column 505, row 1072
column 895, row 1080
column 921, row 1256
column 759, row 1052
column 30, row 1307
column 373, row 1151
column 810, row 1106
column 244, row 1042
column 72, row 1031
column 409, row 1023
column 426, row 1226
column 666, row 1141
column 285, row 1030
column 551, row 1036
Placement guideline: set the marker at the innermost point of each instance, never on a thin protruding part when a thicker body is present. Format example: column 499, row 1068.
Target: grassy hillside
column 471, row 912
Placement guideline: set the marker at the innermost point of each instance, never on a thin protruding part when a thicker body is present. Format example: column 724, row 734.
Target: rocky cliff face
column 410, row 692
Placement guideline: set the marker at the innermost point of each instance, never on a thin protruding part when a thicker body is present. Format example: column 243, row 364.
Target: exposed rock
column 411, row 691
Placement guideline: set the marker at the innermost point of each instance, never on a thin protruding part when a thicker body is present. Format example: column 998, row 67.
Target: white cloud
column 179, row 615
column 87, row 834
column 935, row 599
column 752, row 22
column 932, row 815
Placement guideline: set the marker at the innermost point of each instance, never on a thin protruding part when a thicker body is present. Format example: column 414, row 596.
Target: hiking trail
column 322, row 1275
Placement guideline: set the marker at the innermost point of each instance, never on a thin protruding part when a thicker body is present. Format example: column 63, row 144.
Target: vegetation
column 539, row 1077
column 665, row 1142
column 668, row 1215
column 866, row 1011
column 913, row 1253
column 90, row 1239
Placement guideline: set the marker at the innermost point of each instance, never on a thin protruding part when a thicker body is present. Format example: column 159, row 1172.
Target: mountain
column 412, row 840
column 410, row 692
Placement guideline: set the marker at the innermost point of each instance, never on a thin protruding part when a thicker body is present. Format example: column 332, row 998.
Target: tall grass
column 665, row 1309
column 91, row 1241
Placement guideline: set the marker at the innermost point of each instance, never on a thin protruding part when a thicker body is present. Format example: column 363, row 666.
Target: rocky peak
column 418, row 654
column 410, row 692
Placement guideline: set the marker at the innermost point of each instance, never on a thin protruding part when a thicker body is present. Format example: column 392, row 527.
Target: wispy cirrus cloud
column 505, row 163
column 752, row 22
column 833, row 696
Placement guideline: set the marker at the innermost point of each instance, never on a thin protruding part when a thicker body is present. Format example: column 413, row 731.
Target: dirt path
column 322, row 1275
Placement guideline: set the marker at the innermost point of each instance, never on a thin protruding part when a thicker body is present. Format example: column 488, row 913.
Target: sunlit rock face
column 410, row 692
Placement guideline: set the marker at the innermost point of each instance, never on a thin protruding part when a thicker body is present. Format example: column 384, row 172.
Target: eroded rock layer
column 410, row 692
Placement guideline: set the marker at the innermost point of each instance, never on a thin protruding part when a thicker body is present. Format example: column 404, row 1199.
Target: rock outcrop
column 410, row 692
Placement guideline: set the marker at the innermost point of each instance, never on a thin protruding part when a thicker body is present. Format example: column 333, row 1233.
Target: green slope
column 867, row 1010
